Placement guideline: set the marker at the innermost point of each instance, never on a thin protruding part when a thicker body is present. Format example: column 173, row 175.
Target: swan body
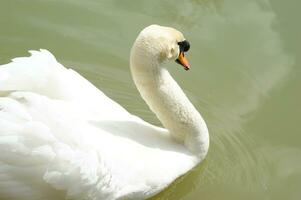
column 61, row 137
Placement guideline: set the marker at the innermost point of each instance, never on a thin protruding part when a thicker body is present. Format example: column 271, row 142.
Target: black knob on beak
column 184, row 46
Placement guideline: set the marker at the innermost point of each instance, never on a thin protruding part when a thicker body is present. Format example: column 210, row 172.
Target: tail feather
column 34, row 73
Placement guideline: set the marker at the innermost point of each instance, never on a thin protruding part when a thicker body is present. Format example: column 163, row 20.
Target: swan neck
column 167, row 100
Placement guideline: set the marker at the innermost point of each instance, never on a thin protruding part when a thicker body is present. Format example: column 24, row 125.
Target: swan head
column 160, row 44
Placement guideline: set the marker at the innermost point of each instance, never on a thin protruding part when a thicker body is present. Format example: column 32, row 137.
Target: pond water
column 244, row 78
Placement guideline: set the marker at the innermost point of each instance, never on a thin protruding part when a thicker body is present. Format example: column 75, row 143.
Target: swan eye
column 172, row 50
column 184, row 46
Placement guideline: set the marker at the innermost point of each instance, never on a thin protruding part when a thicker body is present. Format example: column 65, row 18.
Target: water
column 244, row 79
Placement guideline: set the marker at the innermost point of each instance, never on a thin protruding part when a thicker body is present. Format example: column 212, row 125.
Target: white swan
column 60, row 137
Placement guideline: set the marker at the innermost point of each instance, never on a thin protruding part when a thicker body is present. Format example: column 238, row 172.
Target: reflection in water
column 237, row 59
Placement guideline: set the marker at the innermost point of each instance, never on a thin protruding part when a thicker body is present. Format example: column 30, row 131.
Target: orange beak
column 183, row 61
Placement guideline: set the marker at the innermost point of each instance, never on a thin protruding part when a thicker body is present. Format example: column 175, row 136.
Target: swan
column 62, row 138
